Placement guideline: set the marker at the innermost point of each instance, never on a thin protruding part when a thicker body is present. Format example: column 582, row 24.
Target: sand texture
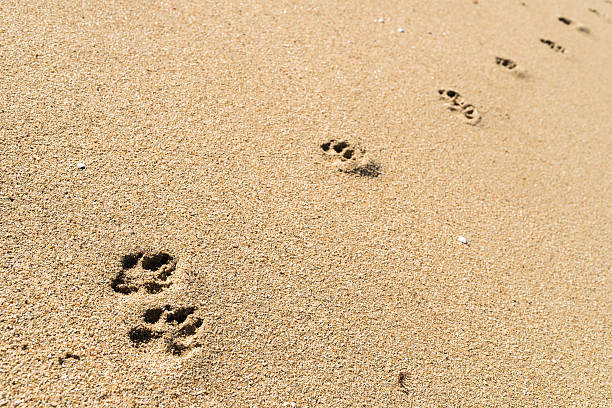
column 259, row 203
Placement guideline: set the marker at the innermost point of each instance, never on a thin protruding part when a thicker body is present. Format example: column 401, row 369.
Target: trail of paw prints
column 553, row 45
column 177, row 327
column 350, row 159
column 455, row 103
column 579, row 27
column 144, row 270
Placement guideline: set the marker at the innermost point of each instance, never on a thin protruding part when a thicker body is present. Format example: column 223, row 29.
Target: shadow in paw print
column 68, row 357
column 148, row 270
column 178, row 328
column 456, row 103
column 403, row 383
column 140, row 335
column 350, row 159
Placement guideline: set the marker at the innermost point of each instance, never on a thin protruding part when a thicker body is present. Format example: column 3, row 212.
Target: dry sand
column 211, row 253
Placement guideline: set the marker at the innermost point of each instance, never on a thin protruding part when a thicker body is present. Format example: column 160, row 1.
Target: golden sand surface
column 259, row 203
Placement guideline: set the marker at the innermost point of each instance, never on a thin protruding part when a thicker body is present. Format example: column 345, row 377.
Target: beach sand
column 259, row 204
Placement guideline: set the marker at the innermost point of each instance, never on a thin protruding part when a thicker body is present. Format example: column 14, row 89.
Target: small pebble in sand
column 81, row 166
column 400, row 30
column 381, row 20
column 461, row 239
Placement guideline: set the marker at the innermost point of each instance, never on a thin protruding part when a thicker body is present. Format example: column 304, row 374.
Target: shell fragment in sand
column 81, row 166
column 462, row 239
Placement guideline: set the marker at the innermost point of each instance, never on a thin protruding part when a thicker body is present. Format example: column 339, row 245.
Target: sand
column 213, row 252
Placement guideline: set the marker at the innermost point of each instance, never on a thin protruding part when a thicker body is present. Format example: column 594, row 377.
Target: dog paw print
column 456, row 103
column 552, row 45
column 147, row 270
column 350, row 159
column 176, row 326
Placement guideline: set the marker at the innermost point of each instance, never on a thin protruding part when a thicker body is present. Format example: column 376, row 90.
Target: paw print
column 178, row 328
column 512, row 66
column 506, row 63
column 349, row 159
column 456, row 103
column 579, row 27
column 149, row 270
column 552, row 45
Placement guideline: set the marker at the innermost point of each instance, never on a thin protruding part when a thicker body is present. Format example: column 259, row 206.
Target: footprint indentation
column 552, row 45
column 350, row 159
column 456, row 103
column 147, row 270
column 177, row 326
column 584, row 29
column 68, row 356
column 580, row 27
column 603, row 16
column 504, row 62
column 403, row 381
